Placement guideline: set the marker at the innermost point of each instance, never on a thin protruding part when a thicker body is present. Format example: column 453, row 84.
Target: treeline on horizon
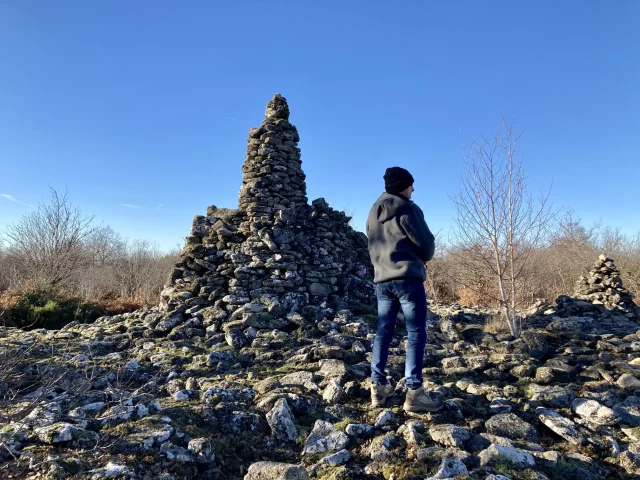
column 58, row 265
column 567, row 250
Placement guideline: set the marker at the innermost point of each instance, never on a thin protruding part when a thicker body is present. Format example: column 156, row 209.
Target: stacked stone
column 334, row 258
column 600, row 305
column 202, row 275
column 273, row 179
column 275, row 248
column 603, row 286
column 273, row 195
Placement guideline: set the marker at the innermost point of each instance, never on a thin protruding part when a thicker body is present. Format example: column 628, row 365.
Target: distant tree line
column 568, row 250
column 508, row 249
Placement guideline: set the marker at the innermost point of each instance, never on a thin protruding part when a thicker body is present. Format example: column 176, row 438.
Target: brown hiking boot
column 380, row 393
column 420, row 400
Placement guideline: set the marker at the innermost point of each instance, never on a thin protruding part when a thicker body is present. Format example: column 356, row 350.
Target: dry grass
column 116, row 306
column 495, row 323
column 8, row 299
column 468, row 296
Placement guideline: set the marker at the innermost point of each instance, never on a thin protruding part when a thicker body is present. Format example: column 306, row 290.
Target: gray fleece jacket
column 399, row 239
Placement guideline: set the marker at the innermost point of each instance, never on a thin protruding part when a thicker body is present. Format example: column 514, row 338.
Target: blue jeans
column 411, row 297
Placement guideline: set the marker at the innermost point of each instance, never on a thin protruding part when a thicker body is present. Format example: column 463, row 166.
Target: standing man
column 399, row 243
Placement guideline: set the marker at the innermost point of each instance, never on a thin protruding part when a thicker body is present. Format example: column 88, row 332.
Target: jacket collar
column 400, row 196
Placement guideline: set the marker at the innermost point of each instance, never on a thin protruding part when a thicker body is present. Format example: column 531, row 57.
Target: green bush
column 39, row 308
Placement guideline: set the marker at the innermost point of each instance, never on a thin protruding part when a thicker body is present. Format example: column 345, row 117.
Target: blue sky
column 141, row 109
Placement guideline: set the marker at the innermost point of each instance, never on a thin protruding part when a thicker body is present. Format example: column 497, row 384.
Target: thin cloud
column 131, row 205
column 159, row 206
column 13, row 199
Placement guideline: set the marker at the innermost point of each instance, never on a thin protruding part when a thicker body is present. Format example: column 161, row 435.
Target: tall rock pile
column 275, row 248
column 603, row 285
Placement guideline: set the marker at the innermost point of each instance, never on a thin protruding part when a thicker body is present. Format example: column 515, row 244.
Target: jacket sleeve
column 418, row 232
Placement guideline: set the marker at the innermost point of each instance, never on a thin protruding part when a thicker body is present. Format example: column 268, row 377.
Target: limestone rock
column 450, row 467
column 332, row 368
column 629, row 411
column 275, row 471
column 359, row 430
column 594, row 412
column 412, row 432
column 629, row 382
column 449, row 435
column 561, row 426
column 630, row 462
column 333, row 392
column 267, row 385
column 547, row 459
column 511, row 426
column 554, row 396
column 175, row 453
column 382, row 448
column 301, row 379
column 338, row 458
column 498, row 454
column 282, row 422
column 324, row 438
column 60, row 432
column 385, row 417
column 112, row 470
column 235, row 338
column 201, row 447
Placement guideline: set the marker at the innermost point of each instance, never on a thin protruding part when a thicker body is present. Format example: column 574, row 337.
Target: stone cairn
column 600, row 305
column 603, row 286
column 275, row 249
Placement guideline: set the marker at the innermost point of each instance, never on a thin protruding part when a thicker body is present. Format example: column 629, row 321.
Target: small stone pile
column 603, row 286
column 275, row 248
column 600, row 305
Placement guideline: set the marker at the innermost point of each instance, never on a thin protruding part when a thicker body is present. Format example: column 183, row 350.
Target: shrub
column 41, row 308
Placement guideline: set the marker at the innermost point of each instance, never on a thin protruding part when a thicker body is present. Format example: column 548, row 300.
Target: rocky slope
column 133, row 397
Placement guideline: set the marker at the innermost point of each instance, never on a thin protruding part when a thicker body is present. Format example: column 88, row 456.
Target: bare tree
column 140, row 272
column 46, row 245
column 5, row 270
column 440, row 284
column 104, row 246
column 570, row 253
column 498, row 223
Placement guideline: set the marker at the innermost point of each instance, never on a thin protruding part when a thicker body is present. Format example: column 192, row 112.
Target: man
column 399, row 243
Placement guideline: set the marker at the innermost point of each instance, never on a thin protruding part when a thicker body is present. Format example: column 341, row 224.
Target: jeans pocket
column 406, row 286
column 381, row 289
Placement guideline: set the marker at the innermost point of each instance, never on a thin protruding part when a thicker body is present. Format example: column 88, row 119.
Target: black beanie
column 397, row 179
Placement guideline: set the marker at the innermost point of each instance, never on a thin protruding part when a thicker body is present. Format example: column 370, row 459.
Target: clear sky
column 141, row 109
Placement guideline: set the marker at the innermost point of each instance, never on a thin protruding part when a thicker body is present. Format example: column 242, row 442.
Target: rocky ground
column 145, row 396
